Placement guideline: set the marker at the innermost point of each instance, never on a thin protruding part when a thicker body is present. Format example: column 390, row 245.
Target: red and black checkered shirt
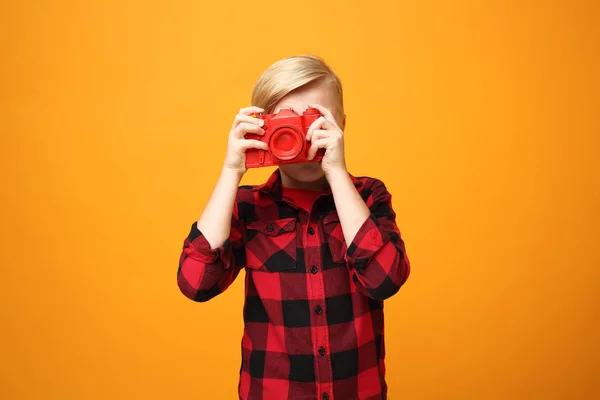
column 313, row 312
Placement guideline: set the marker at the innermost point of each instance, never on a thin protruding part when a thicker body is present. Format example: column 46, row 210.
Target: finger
column 250, row 110
column 253, row 144
column 319, row 123
column 320, row 134
column 246, row 127
column 324, row 112
column 246, row 118
column 315, row 146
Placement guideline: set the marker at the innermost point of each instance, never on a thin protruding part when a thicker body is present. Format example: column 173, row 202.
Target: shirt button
column 314, row 270
column 322, row 351
column 318, row 310
column 325, row 396
column 311, row 231
column 270, row 228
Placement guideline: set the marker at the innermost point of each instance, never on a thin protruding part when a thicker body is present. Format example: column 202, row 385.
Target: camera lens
column 286, row 143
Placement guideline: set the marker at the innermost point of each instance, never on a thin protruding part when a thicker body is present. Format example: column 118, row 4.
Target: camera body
column 285, row 134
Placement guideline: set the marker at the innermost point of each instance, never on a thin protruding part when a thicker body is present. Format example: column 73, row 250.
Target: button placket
column 312, row 235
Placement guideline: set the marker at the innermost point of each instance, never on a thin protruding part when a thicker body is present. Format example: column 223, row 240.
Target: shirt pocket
column 271, row 245
column 334, row 237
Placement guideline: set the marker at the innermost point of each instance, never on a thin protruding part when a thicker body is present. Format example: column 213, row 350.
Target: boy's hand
column 325, row 133
column 237, row 145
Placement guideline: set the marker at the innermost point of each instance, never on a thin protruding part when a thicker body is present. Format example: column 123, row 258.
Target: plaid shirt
column 313, row 313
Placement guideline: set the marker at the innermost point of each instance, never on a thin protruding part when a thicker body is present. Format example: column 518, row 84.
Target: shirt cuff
column 369, row 239
column 200, row 249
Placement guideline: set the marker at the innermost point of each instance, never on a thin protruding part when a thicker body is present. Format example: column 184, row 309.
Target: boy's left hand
column 325, row 133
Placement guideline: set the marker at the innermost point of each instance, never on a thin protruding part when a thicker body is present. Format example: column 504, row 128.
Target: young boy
column 320, row 248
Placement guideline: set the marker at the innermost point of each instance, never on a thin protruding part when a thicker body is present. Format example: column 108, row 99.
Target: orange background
column 481, row 117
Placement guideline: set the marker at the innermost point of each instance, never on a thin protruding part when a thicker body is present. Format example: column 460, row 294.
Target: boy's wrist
column 229, row 173
column 336, row 173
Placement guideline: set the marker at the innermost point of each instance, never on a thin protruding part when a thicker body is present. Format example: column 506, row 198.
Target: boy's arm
column 376, row 252
column 213, row 252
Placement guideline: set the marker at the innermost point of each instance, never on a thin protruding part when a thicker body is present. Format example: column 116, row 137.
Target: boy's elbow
column 201, row 296
column 384, row 291
column 392, row 283
column 194, row 294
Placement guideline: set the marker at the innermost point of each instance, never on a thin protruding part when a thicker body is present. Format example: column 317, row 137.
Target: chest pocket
column 335, row 239
column 271, row 245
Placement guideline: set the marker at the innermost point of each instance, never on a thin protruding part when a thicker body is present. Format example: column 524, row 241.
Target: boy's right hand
column 243, row 123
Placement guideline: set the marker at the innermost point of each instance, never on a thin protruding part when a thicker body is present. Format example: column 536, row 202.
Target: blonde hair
column 289, row 74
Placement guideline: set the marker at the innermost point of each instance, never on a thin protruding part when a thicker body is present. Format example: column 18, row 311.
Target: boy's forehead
column 299, row 100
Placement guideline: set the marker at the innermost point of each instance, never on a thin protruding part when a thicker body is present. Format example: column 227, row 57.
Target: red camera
column 285, row 134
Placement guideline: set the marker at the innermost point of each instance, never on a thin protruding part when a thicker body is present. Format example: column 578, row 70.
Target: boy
column 320, row 248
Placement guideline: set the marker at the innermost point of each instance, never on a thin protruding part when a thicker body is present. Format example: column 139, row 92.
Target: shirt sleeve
column 377, row 255
column 205, row 272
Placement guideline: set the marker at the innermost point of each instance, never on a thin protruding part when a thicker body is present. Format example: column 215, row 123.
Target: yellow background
column 481, row 117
